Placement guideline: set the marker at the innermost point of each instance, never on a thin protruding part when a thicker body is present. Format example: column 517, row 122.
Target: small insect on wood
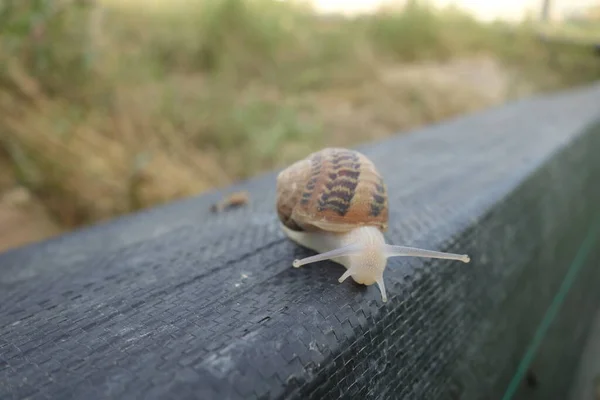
column 335, row 202
column 234, row 200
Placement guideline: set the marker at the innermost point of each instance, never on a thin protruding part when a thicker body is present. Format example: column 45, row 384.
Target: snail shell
column 333, row 190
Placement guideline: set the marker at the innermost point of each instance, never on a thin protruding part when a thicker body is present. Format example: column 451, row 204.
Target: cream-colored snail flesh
column 335, row 202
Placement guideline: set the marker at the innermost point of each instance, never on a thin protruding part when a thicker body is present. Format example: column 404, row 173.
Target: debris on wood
column 233, row 200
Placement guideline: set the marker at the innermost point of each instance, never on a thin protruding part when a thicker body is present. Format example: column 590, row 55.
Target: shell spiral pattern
column 335, row 190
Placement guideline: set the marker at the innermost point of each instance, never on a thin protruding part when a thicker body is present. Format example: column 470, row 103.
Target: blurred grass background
column 112, row 106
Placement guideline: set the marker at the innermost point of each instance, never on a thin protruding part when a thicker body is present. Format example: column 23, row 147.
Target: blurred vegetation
column 109, row 107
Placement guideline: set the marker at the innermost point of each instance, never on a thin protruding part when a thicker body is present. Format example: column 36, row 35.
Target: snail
column 335, row 203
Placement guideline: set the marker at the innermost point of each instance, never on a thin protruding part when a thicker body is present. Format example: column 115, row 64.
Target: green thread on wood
column 559, row 298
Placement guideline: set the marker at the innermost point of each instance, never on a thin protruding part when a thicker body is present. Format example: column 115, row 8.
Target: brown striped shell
column 333, row 189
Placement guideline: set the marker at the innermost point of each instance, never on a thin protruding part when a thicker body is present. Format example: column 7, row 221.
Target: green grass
column 108, row 109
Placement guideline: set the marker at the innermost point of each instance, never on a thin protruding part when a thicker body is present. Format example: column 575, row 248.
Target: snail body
column 335, row 203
